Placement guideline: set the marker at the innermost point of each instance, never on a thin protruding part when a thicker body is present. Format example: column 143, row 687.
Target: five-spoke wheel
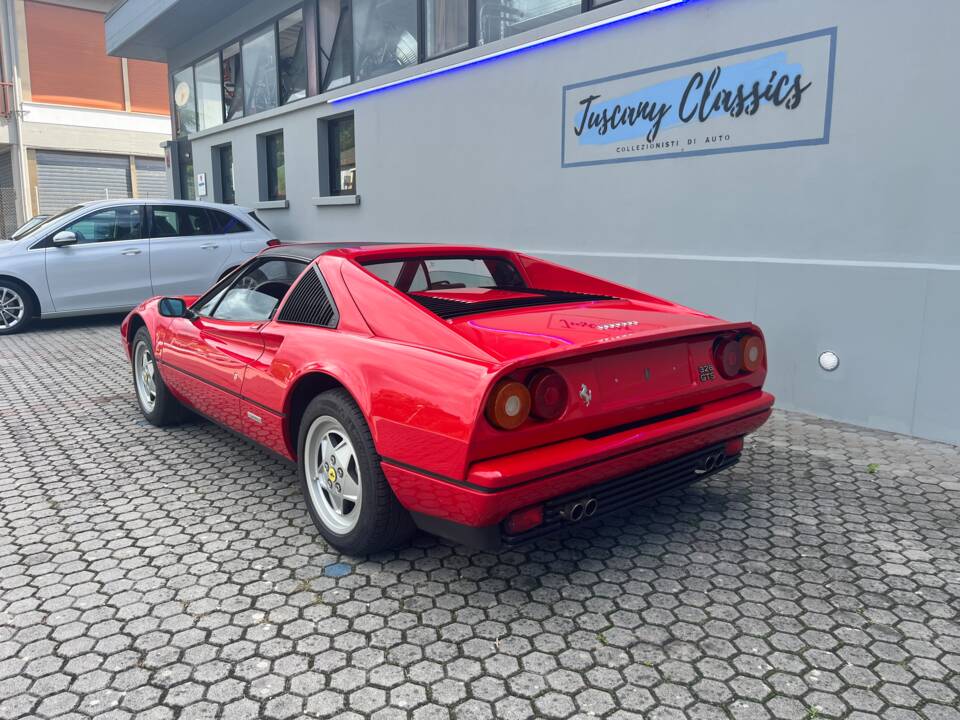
column 16, row 307
column 348, row 497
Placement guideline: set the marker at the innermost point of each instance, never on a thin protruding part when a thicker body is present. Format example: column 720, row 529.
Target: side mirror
column 64, row 238
column 174, row 307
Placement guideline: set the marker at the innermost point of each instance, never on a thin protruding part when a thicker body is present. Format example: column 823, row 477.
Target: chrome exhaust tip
column 709, row 463
column 574, row 512
column 590, row 507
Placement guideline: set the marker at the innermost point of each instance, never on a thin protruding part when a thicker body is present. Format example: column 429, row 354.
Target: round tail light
column 548, row 395
column 509, row 405
column 728, row 357
column 751, row 349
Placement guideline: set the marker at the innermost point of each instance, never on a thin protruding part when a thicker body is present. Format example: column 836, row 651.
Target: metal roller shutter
column 65, row 179
column 152, row 178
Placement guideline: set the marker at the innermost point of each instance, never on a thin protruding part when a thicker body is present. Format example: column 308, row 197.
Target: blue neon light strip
column 511, row 50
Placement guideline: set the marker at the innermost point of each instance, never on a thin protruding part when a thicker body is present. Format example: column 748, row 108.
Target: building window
column 259, row 57
column 184, row 102
column 185, row 189
column 232, row 73
column 273, row 180
column 292, row 45
column 384, row 37
column 224, row 189
column 336, row 43
column 447, row 26
column 497, row 20
column 209, row 102
column 342, row 160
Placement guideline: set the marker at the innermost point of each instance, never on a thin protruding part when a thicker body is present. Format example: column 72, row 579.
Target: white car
column 108, row 256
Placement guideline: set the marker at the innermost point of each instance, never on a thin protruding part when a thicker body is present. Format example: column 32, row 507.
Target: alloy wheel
column 145, row 375
column 12, row 308
column 333, row 474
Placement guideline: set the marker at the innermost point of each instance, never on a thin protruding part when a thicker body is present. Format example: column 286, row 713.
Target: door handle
column 209, row 246
column 132, row 251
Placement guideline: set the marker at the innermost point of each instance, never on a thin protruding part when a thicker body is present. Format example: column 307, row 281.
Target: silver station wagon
column 108, row 256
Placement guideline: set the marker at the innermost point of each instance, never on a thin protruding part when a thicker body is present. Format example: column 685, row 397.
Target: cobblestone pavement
column 174, row 573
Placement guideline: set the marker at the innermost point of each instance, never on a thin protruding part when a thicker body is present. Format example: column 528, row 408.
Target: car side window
column 195, row 221
column 181, row 221
column 110, row 225
column 164, row 221
column 225, row 223
column 255, row 294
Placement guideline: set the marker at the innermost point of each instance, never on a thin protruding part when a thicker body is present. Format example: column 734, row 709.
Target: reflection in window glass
column 164, row 221
column 340, row 62
column 259, row 55
column 232, row 83
column 384, row 37
column 336, row 45
column 188, row 190
column 209, row 103
column 223, row 156
column 256, row 293
column 343, row 159
column 276, row 172
column 498, row 19
column 447, row 26
column 184, row 102
column 115, row 224
column 292, row 42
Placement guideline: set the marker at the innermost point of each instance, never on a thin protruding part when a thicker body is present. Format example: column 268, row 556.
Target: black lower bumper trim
column 611, row 496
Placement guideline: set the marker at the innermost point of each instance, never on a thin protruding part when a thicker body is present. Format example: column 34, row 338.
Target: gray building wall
column 848, row 246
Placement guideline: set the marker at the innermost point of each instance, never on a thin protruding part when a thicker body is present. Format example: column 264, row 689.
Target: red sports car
column 479, row 394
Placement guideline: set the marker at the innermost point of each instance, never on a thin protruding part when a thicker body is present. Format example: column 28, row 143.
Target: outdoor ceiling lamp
column 829, row 361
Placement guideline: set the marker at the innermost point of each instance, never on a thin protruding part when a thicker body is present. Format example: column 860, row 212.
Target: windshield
column 28, row 226
column 44, row 221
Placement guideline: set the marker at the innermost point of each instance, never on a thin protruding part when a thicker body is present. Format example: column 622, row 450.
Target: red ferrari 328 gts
column 482, row 395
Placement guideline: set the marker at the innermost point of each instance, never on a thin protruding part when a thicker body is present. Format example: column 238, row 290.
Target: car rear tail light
column 273, row 242
column 509, row 405
column 728, row 357
column 751, row 349
column 548, row 395
column 737, row 355
column 523, row 520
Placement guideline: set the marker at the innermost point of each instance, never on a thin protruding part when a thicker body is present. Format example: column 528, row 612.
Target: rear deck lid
column 577, row 326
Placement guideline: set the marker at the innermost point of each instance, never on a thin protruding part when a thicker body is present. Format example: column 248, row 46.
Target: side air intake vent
column 310, row 303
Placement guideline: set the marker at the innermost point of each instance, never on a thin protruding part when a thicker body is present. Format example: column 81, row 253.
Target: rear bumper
column 495, row 488
column 608, row 497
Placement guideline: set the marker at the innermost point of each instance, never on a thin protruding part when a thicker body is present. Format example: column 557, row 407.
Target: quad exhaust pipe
column 579, row 509
column 710, row 462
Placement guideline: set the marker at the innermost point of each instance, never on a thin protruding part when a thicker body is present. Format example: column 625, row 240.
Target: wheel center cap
column 332, row 475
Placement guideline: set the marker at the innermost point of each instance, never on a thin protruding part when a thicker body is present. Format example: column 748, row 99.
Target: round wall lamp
column 829, row 361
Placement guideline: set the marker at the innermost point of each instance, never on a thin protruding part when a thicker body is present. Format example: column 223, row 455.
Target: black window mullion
column 472, row 23
column 421, row 30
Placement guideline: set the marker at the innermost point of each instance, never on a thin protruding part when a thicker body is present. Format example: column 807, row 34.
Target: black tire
column 382, row 522
column 15, row 302
column 166, row 410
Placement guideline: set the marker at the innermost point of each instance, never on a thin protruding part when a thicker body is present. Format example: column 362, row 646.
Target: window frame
column 311, row 27
column 47, row 241
column 332, row 165
column 181, row 208
column 263, row 165
column 471, row 31
column 219, row 174
column 317, row 73
column 225, row 284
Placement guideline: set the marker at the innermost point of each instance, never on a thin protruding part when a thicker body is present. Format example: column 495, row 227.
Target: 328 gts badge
column 706, row 373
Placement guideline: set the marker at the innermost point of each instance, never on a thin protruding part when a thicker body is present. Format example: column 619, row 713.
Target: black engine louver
column 309, row 303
